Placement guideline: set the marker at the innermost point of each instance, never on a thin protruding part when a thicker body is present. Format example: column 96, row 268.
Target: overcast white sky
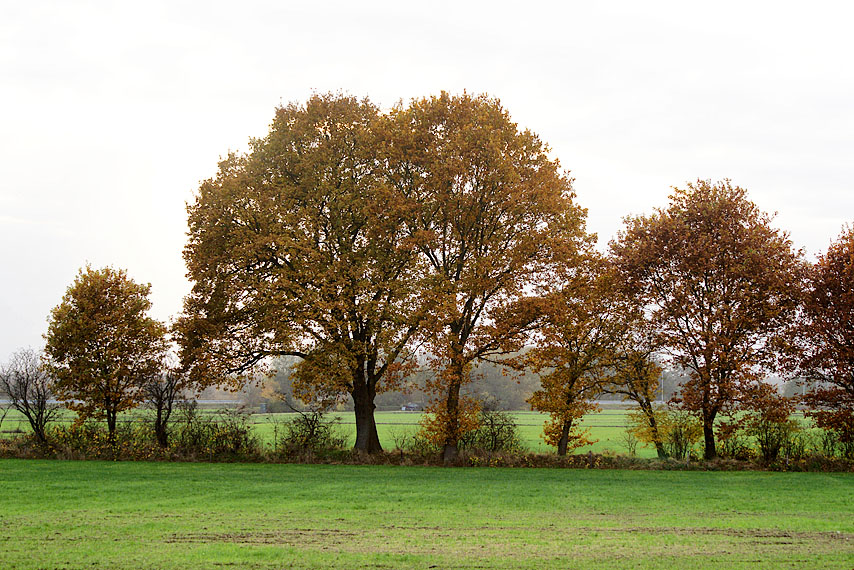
column 112, row 112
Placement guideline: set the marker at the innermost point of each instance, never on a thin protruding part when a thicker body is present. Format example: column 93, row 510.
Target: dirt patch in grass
column 740, row 533
column 498, row 541
column 290, row 537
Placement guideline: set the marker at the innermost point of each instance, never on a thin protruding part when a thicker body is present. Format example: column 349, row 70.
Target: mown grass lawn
column 58, row 514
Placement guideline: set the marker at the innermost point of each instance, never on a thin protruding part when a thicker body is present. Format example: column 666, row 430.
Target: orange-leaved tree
column 574, row 350
column 102, row 346
column 827, row 334
column 721, row 287
column 300, row 248
column 495, row 219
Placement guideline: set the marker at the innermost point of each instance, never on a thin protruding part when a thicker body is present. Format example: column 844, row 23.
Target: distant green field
column 90, row 514
column 606, row 427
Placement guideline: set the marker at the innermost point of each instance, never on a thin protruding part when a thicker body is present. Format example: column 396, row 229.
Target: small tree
column 162, row 390
column 102, row 347
column 29, row 388
column 581, row 331
column 635, row 374
column 768, row 419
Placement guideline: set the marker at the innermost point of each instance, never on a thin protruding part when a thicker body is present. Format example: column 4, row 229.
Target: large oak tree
column 495, row 219
column 720, row 284
column 299, row 248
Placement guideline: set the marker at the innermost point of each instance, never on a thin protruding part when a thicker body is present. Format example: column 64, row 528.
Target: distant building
column 411, row 407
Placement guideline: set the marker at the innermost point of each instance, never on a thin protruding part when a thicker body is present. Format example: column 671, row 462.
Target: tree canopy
column 299, row 248
column 721, row 286
column 828, row 335
column 495, row 220
column 102, row 345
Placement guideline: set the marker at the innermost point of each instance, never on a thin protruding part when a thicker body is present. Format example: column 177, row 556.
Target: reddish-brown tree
column 828, row 337
column 720, row 284
column 768, row 418
column 495, row 219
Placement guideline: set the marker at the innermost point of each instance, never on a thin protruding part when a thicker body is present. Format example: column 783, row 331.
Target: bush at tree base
column 497, row 431
column 308, row 433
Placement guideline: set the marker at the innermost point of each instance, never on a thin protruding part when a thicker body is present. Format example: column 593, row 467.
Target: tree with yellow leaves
column 102, row 346
column 300, row 248
column 575, row 350
column 495, row 220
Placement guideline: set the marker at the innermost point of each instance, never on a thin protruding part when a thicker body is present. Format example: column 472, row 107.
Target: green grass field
column 88, row 514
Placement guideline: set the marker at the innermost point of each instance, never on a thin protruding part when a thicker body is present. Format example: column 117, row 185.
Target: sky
column 111, row 113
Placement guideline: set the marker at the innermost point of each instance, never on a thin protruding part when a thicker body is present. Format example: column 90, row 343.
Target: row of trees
column 358, row 241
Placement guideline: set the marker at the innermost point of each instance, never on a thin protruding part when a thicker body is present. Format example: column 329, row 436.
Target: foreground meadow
column 58, row 514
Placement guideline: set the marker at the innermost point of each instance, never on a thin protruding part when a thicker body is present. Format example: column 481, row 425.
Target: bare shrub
column 215, row 436
column 29, row 388
column 162, row 390
column 497, row 431
column 630, row 442
column 310, row 432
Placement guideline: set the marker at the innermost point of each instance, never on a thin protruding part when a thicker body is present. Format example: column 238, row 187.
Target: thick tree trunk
column 709, row 450
column 111, row 426
column 160, row 430
column 451, row 447
column 367, row 439
column 563, row 442
column 659, row 449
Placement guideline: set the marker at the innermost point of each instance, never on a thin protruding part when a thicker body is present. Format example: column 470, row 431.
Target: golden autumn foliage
column 102, row 346
column 583, row 324
column 721, row 286
column 494, row 219
column 299, row 248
